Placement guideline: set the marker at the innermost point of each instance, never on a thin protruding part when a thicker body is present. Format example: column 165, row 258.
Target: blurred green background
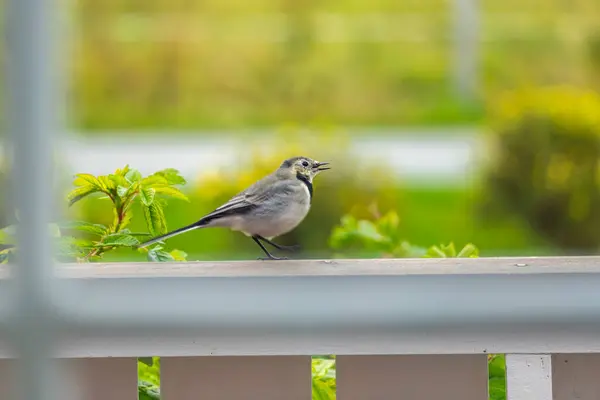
column 234, row 70
column 191, row 65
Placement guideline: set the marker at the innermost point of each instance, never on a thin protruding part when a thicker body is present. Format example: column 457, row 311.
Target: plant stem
column 100, row 250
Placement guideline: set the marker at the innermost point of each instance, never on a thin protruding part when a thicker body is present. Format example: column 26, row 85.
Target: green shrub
column 381, row 237
column 546, row 164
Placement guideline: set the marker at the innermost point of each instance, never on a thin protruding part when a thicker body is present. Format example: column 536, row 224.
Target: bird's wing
column 246, row 200
column 235, row 206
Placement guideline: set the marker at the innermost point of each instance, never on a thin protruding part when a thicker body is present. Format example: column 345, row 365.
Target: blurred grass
column 232, row 64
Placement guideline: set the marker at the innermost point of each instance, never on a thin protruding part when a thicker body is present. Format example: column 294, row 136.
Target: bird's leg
column 294, row 247
column 269, row 255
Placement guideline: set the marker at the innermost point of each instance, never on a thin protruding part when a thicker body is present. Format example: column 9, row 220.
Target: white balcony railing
column 406, row 328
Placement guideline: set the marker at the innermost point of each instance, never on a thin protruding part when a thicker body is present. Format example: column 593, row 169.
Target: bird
column 271, row 207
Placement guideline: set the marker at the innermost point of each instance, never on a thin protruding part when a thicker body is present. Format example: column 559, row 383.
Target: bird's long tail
column 195, row 225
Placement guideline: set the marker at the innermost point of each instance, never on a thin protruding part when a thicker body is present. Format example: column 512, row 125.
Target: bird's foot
column 271, row 258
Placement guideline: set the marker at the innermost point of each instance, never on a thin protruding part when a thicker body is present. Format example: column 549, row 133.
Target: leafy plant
column 449, row 251
column 149, row 378
column 497, row 376
column 123, row 188
column 382, row 236
column 323, row 378
column 148, row 391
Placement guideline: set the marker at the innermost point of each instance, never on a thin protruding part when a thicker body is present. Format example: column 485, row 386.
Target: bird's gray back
column 278, row 206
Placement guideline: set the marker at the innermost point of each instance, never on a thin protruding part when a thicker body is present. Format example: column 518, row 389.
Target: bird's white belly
column 273, row 226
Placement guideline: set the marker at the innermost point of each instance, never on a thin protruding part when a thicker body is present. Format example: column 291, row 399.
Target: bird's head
column 303, row 167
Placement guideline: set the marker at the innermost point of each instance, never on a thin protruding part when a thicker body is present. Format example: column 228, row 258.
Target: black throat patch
column 308, row 183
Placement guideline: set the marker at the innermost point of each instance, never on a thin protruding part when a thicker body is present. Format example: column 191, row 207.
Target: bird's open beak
column 319, row 166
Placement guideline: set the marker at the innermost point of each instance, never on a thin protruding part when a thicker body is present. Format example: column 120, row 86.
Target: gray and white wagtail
column 270, row 207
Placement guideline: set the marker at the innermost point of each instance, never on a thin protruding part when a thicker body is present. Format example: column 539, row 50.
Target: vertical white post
column 32, row 113
column 528, row 377
column 466, row 24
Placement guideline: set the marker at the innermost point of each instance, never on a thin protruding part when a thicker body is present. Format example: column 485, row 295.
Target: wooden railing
column 401, row 329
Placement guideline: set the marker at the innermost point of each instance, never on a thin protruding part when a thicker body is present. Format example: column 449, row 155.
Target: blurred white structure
column 411, row 329
column 434, row 158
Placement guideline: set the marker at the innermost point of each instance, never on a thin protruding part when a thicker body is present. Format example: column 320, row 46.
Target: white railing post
column 32, row 112
column 528, row 377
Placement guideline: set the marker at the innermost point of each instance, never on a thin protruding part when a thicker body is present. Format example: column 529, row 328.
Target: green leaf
column 122, row 191
column 442, row 251
column 407, row 250
column 435, row 252
column 127, row 192
column 147, row 391
column 154, row 180
column 469, row 251
column 449, row 251
column 170, row 191
column 157, row 254
column 79, row 193
column 119, row 240
column 117, row 180
column 150, row 373
column 96, row 229
column 144, row 234
column 89, row 180
column 322, row 390
column 109, row 184
column 368, row 230
column 123, row 172
column 388, row 224
column 497, row 366
column 155, row 219
column 322, row 367
column 147, row 196
column 172, row 176
column 146, row 360
column 178, row 255
column 71, row 248
column 133, row 176
column 497, row 389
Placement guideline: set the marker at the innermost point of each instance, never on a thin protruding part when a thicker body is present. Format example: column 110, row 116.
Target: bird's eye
column 305, row 163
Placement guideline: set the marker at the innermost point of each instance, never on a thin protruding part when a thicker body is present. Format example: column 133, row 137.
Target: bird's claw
column 271, row 258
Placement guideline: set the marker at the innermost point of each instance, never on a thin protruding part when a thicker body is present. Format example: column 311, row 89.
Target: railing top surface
column 333, row 267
